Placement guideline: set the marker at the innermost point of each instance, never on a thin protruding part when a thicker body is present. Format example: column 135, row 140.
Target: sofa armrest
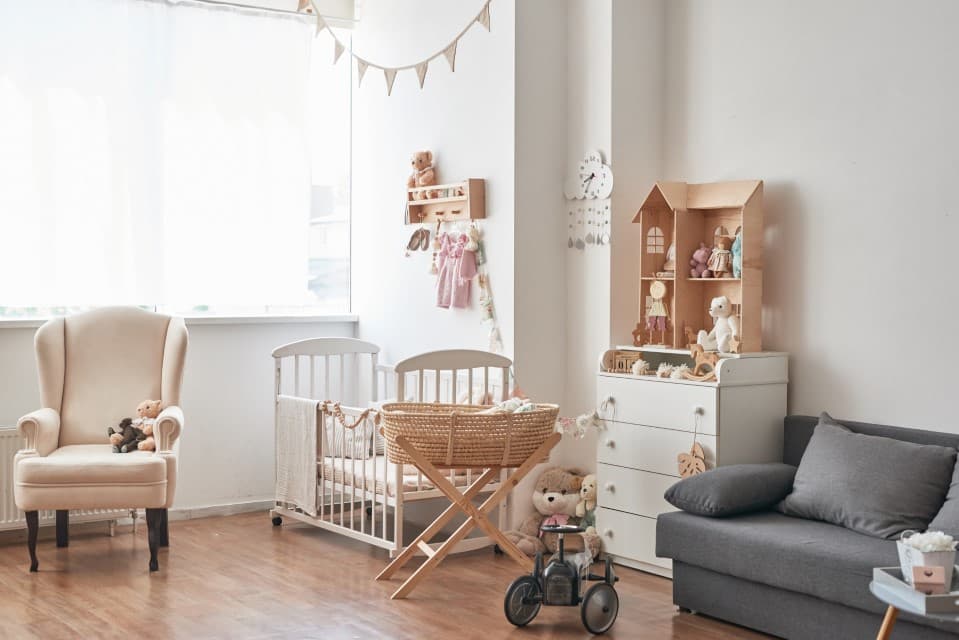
column 732, row 490
column 167, row 429
column 41, row 428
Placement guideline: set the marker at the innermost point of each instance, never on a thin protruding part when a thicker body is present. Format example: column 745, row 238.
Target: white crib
column 358, row 495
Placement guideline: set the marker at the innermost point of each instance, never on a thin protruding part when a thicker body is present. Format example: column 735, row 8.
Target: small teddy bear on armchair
column 147, row 412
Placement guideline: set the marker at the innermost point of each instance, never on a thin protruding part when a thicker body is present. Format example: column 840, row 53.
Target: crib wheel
column 277, row 521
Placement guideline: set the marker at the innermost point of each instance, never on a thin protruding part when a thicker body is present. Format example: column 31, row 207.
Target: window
column 157, row 157
column 655, row 240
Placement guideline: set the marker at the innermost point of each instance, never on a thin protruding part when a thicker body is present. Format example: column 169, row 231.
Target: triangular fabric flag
column 483, row 17
column 450, row 53
column 421, row 72
column 320, row 24
column 304, row 4
column 390, row 75
column 337, row 50
column 360, row 71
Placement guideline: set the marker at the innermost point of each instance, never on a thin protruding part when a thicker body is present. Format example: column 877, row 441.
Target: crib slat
column 453, row 397
column 342, row 376
column 506, row 389
column 483, row 400
column 312, row 377
column 421, row 397
column 326, row 378
column 296, row 375
column 437, row 373
column 469, row 386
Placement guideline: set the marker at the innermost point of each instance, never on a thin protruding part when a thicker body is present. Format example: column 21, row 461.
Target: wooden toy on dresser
column 683, row 407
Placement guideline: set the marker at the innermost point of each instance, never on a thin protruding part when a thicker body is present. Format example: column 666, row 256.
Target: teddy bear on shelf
column 555, row 496
column 147, row 412
column 125, row 437
column 725, row 326
column 586, row 508
column 698, row 262
column 423, row 175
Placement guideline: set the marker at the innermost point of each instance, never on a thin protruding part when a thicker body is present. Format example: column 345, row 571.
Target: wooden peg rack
column 464, row 200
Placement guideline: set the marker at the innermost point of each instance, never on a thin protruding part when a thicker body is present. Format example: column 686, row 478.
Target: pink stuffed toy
column 699, row 260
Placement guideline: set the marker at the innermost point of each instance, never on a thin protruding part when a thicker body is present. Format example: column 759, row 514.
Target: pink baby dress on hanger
column 444, row 293
column 463, row 276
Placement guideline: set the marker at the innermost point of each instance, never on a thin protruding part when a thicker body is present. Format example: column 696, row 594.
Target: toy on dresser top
column 132, row 434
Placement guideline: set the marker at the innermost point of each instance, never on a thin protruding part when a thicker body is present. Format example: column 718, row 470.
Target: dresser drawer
column 649, row 448
column 629, row 536
column 657, row 403
column 633, row 491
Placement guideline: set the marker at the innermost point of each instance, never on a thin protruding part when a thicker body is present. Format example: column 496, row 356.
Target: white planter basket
column 910, row 557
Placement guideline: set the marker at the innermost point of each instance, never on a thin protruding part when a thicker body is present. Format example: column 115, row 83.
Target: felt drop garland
column 389, row 73
column 486, row 292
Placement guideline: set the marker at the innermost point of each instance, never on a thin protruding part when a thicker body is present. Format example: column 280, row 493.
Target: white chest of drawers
column 650, row 420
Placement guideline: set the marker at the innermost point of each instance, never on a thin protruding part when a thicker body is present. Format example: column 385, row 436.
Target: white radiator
column 10, row 516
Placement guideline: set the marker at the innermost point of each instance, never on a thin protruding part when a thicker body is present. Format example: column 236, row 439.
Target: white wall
column 226, row 449
column 466, row 119
column 848, row 111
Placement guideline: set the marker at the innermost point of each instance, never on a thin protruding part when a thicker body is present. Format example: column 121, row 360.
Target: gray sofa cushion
column 948, row 517
column 870, row 484
column 815, row 558
column 728, row 491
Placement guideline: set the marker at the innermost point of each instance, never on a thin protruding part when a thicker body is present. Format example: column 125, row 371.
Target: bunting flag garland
column 448, row 51
column 421, row 72
column 390, row 75
column 483, row 17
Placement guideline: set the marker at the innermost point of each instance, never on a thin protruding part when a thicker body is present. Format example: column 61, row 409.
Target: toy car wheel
column 277, row 521
column 600, row 608
column 523, row 601
column 538, row 565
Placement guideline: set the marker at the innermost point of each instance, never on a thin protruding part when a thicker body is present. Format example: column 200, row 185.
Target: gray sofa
column 787, row 576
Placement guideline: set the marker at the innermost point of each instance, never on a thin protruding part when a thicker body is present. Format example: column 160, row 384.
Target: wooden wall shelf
column 464, row 200
column 684, row 215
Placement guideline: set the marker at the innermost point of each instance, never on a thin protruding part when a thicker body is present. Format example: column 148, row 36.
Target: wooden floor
column 239, row 577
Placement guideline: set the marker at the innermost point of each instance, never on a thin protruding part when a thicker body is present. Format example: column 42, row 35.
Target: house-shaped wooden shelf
column 447, row 202
column 684, row 215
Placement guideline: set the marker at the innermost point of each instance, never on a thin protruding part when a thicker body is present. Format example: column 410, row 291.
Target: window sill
column 33, row 323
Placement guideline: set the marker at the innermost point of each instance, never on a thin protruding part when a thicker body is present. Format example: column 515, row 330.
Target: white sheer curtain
column 153, row 152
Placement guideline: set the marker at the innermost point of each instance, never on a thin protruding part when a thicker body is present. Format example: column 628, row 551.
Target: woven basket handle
column 449, row 441
column 509, row 438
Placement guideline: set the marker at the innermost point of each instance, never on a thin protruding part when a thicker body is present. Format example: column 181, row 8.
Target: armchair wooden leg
column 33, row 527
column 154, row 518
column 164, row 529
column 63, row 528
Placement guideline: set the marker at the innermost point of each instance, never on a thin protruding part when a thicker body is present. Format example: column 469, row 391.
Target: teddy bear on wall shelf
column 423, row 175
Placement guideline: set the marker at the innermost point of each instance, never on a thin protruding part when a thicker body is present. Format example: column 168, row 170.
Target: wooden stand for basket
column 463, row 502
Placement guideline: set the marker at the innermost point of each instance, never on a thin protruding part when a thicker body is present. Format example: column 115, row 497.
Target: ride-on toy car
column 559, row 585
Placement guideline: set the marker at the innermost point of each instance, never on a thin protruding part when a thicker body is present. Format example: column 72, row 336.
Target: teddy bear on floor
column 147, row 412
column 125, row 437
column 699, row 260
column 423, row 175
column 555, row 496
column 586, row 507
column 725, row 326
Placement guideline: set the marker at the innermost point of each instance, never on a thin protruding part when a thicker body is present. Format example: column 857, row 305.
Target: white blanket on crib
column 296, row 452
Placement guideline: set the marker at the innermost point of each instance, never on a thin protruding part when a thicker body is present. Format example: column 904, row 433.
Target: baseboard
column 191, row 513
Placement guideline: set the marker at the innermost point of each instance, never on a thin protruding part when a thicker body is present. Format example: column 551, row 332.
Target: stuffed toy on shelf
column 423, row 175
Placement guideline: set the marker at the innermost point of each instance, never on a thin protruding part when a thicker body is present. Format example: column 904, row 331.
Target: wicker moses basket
column 455, row 435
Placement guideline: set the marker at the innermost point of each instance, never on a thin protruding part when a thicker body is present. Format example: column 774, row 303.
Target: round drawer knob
column 610, row 443
column 608, row 533
column 610, row 487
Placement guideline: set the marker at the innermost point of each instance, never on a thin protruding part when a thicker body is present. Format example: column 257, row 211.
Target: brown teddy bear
column 147, row 412
column 555, row 496
column 423, row 175
column 125, row 437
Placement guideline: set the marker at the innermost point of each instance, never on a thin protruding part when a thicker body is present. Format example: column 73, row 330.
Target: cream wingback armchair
column 95, row 368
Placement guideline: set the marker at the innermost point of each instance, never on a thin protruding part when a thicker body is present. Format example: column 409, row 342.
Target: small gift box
column 929, row 580
column 929, row 549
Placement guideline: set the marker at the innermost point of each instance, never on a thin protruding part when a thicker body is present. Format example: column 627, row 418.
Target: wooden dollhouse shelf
column 685, row 217
column 450, row 202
